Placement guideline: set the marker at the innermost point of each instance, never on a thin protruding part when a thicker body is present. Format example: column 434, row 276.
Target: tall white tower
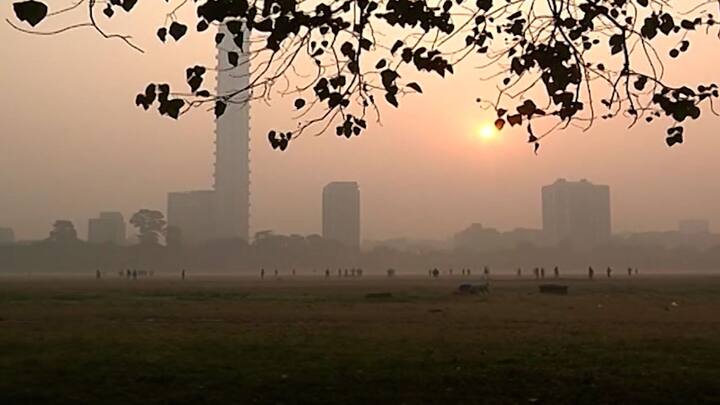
column 232, row 144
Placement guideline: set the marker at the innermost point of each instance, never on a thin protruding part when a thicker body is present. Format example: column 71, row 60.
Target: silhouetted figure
column 182, row 275
column 127, row 273
column 536, row 272
column 636, row 271
column 327, row 273
column 262, row 273
column 293, row 272
column 276, row 273
column 346, row 272
column 436, row 273
column 97, row 274
column 591, row 273
column 467, row 271
column 450, row 271
column 359, row 272
column 486, row 271
column 542, row 272
column 519, row 272
column 134, row 274
column 629, row 271
column 556, row 270
column 339, row 272
column 609, row 272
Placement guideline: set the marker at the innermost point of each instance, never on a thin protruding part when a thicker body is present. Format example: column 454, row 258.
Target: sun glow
column 487, row 131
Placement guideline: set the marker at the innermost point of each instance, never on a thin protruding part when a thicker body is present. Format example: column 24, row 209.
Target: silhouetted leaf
column 162, row 33
column 30, row 11
column 220, row 107
column 177, row 30
column 415, row 87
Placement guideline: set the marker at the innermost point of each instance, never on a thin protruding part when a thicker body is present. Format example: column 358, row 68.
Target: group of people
column 352, row 272
column 609, row 272
column 346, row 272
column 465, row 271
column 129, row 273
column 538, row 272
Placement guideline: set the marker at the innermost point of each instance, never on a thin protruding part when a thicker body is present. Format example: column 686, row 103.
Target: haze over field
column 73, row 143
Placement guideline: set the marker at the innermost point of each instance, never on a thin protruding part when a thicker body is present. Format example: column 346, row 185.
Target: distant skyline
column 74, row 144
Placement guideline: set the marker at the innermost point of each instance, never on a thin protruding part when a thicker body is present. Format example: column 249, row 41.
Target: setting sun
column 487, row 131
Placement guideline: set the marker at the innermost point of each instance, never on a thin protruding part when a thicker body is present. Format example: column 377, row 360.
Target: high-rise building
column 341, row 213
column 230, row 197
column 232, row 144
column 576, row 212
column 7, row 236
column 109, row 227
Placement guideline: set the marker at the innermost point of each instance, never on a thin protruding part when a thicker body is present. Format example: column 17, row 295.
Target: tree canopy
column 569, row 62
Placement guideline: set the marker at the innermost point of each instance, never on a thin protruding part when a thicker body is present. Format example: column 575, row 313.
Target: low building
column 108, row 227
column 193, row 213
column 694, row 226
column 7, row 236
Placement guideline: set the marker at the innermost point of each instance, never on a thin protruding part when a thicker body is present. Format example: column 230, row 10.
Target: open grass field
column 307, row 340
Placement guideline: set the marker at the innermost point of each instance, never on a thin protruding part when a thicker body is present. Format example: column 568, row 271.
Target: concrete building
column 341, row 213
column 478, row 238
column 576, row 213
column 7, row 236
column 109, row 227
column 193, row 213
column 693, row 226
column 230, row 196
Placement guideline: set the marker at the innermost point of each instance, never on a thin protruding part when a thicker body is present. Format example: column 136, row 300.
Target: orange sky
column 73, row 143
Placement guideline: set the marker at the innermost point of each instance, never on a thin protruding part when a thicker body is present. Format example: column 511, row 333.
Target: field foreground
column 306, row 340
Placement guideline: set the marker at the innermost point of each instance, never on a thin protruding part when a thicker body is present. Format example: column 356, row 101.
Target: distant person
column 556, row 271
column 536, row 272
column 339, row 272
column 467, row 271
column 346, row 272
column 182, row 275
column 327, row 273
column 636, row 271
column 262, row 273
column 127, row 273
column 519, row 272
column 486, row 271
column 97, row 274
column 436, row 273
column 276, row 272
column 134, row 274
column 360, row 272
column 609, row 272
column 293, row 272
column 450, row 271
column 542, row 272
column 629, row 271
column 591, row 273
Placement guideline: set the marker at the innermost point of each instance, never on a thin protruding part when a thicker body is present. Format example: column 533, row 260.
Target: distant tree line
column 160, row 249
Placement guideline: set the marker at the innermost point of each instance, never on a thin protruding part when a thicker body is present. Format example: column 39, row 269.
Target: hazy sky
column 73, row 144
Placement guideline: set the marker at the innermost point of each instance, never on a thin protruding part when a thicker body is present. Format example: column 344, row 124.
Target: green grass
column 318, row 342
